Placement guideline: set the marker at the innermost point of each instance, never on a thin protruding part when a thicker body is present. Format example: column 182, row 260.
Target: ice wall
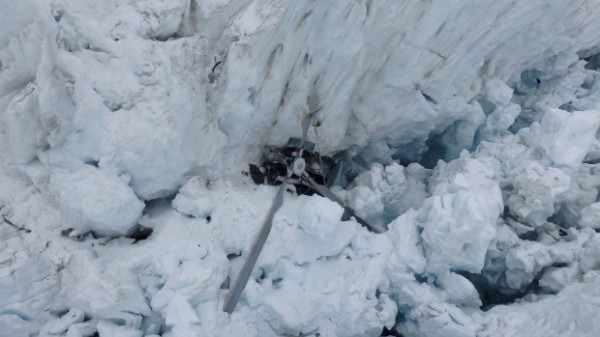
column 153, row 90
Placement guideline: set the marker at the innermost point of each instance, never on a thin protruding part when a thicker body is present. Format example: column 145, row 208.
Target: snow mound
column 194, row 199
column 319, row 216
column 95, row 199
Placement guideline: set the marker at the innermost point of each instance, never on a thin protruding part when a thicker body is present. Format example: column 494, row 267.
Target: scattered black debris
column 311, row 333
column 20, row 228
column 562, row 232
column 208, row 219
column 211, row 76
column 392, row 332
column 94, row 162
column 140, row 233
column 232, row 256
column 428, row 98
column 217, row 63
column 245, row 173
column 77, row 236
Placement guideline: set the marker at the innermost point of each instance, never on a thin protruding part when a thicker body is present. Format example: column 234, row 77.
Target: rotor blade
column 363, row 222
column 305, row 125
column 306, row 119
column 324, row 191
column 244, row 275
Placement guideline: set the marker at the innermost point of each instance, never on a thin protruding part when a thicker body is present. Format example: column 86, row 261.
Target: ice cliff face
column 107, row 106
column 153, row 90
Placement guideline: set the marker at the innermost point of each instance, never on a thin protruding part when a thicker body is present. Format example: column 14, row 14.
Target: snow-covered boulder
column 567, row 137
column 536, row 189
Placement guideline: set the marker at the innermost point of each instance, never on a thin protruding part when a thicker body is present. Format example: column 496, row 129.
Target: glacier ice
column 472, row 127
column 567, row 138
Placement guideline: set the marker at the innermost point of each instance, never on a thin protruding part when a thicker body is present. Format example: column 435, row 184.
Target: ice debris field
column 125, row 126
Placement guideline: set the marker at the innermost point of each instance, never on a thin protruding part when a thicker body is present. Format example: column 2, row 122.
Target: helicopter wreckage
column 299, row 164
column 320, row 173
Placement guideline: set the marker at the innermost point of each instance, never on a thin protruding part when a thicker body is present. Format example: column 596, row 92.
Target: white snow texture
column 474, row 122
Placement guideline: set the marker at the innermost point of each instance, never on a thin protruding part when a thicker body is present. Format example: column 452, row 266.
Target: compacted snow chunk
column 194, row 199
column 459, row 221
column 319, row 216
column 567, row 137
column 590, row 216
column 537, row 188
column 96, row 200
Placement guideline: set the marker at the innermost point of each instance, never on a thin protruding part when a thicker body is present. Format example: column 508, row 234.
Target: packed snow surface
column 471, row 127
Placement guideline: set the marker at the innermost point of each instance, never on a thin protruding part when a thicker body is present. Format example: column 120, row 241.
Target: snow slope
column 126, row 113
